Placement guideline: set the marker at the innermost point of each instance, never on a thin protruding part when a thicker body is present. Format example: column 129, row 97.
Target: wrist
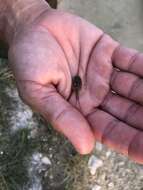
column 17, row 14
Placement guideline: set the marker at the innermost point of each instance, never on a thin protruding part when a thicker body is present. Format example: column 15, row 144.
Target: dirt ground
column 33, row 156
column 122, row 19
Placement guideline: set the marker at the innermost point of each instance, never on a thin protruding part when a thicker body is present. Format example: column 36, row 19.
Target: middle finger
column 128, row 85
column 124, row 109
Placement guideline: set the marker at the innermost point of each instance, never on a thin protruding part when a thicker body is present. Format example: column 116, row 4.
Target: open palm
column 56, row 47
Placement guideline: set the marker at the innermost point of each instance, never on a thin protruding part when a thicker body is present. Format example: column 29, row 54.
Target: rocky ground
column 34, row 157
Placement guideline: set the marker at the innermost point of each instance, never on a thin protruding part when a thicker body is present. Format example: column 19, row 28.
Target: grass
column 15, row 150
column 78, row 173
column 6, row 74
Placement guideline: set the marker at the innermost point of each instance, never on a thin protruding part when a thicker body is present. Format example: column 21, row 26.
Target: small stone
column 99, row 146
column 108, row 153
column 46, row 174
column 46, row 161
column 33, row 133
column 121, row 163
column 94, row 163
column 44, row 139
column 36, row 157
column 111, row 185
column 1, row 152
column 51, row 177
column 103, row 176
column 40, row 155
column 96, row 187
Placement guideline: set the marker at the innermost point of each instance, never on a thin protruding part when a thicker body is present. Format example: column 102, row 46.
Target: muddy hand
column 55, row 48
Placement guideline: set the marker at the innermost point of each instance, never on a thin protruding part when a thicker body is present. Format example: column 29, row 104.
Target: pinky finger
column 117, row 135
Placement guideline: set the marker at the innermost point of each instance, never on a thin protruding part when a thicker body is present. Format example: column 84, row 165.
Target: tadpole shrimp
column 76, row 86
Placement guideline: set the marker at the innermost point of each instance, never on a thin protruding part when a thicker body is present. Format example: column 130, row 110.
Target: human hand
column 46, row 55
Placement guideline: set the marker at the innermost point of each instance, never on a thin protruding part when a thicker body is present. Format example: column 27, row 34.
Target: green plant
column 15, row 150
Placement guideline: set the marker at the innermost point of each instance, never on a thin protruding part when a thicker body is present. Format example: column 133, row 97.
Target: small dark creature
column 76, row 85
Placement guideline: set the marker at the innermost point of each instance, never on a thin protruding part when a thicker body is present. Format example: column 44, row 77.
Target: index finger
column 128, row 60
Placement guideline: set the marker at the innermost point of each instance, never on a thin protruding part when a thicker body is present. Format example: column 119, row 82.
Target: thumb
column 66, row 119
